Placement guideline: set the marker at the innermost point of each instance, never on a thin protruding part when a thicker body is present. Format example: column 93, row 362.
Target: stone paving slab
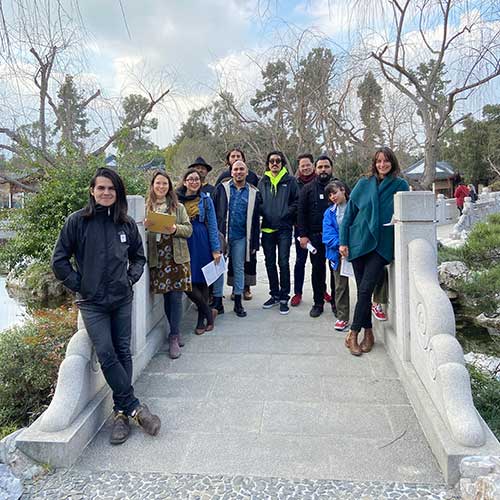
column 106, row 485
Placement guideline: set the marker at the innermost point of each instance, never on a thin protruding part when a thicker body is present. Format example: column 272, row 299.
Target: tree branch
column 11, row 180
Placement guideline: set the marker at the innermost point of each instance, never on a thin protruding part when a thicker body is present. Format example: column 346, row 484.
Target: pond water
column 12, row 312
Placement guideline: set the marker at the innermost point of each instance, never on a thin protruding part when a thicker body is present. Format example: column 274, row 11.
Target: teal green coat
column 370, row 206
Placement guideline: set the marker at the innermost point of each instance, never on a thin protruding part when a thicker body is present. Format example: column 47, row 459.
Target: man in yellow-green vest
column 280, row 197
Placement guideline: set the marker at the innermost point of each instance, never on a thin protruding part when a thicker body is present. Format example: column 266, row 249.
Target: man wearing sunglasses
column 280, row 197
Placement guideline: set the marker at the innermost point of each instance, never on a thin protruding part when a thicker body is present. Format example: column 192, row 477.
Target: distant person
column 305, row 174
column 109, row 259
column 168, row 255
column 472, row 193
column 203, row 168
column 280, row 196
column 367, row 242
column 461, row 192
column 233, row 155
column 337, row 193
column 237, row 204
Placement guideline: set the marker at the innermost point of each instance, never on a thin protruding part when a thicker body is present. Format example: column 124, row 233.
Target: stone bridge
column 280, row 396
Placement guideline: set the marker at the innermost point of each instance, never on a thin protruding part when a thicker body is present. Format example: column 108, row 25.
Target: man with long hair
column 109, row 258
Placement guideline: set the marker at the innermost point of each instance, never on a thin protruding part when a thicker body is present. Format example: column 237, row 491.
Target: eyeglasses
column 275, row 161
column 192, row 181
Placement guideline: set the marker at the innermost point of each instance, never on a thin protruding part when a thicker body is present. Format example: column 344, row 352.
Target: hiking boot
column 211, row 326
column 273, row 301
column 327, row 297
column 247, row 294
column 284, row 309
column 316, row 311
column 238, row 307
column 121, row 428
column 378, row 312
column 368, row 341
column 146, row 420
column 217, row 304
column 341, row 325
column 174, row 350
column 296, row 300
column 351, row 342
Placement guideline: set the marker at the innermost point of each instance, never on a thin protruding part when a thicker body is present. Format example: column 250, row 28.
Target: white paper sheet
column 212, row 270
column 346, row 269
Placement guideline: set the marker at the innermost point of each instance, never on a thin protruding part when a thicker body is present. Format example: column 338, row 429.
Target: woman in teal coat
column 366, row 242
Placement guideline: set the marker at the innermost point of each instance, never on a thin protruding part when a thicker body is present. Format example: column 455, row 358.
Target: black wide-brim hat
column 200, row 161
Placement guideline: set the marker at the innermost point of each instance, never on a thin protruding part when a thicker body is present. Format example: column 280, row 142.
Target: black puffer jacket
column 109, row 257
column 279, row 209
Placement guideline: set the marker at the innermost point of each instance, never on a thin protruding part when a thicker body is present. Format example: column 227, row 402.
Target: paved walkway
column 267, row 396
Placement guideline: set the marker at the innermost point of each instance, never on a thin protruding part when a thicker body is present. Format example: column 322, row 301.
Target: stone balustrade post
column 441, row 209
column 414, row 214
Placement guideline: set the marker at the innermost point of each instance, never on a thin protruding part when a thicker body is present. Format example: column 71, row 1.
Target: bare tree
column 453, row 39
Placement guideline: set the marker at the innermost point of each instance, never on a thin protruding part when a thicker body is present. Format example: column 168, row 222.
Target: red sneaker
column 327, row 297
column 296, row 300
column 378, row 312
column 341, row 325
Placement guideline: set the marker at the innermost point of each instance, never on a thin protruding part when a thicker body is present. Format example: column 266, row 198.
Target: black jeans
column 110, row 330
column 368, row 270
column 300, row 265
column 318, row 274
column 280, row 240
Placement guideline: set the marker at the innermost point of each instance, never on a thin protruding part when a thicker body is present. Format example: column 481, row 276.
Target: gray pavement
column 271, row 396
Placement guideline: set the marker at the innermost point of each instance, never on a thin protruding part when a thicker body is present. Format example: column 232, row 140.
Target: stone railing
column 420, row 338
column 446, row 210
column 82, row 401
column 488, row 203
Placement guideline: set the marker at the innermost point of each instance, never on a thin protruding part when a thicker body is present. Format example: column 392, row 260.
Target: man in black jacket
column 312, row 206
column 280, row 195
column 109, row 257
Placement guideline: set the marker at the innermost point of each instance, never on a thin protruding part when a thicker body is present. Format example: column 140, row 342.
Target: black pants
column 368, row 270
column 318, row 274
column 278, row 241
column 300, row 265
column 110, row 330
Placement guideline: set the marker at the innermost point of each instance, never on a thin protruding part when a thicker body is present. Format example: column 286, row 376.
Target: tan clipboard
column 158, row 221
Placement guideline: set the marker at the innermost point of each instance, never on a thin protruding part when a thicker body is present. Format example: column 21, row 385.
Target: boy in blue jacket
column 337, row 194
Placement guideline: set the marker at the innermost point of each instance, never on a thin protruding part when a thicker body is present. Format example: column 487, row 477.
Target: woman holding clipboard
column 204, row 244
column 168, row 254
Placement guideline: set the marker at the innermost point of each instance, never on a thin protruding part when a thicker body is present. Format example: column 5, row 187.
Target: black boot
column 238, row 308
column 217, row 304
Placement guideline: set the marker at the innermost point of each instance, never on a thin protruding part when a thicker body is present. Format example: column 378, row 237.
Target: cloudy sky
column 197, row 47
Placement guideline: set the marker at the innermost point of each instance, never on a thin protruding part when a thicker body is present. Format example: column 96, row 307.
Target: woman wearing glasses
column 204, row 244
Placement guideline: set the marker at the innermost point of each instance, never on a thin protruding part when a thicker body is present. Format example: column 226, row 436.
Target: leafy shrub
column 486, row 395
column 448, row 254
column 62, row 191
column 495, row 186
column 30, row 356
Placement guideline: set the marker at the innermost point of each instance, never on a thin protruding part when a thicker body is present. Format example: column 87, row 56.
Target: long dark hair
column 389, row 154
column 187, row 173
column 171, row 196
column 229, row 154
column 120, row 206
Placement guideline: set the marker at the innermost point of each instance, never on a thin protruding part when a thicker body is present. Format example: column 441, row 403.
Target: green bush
column 30, row 356
column 495, row 186
column 486, row 395
column 448, row 254
column 62, row 191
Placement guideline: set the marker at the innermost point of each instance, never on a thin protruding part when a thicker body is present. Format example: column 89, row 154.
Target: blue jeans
column 279, row 240
column 110, row 330
column 172, row 303
column 300, row 266
column 237, row 252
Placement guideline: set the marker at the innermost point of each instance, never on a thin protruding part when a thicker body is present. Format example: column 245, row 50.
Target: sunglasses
column 275, row 161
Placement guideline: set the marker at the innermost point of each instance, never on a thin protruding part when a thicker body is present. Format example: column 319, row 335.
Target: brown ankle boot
column 368, row 341
column 351, row 342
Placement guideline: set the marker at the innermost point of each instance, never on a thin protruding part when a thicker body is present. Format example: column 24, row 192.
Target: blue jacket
column 370, row 206
column 331, row 236
column 209, row 218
